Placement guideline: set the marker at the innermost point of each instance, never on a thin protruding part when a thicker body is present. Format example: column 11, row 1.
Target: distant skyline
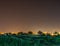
column 27, row 16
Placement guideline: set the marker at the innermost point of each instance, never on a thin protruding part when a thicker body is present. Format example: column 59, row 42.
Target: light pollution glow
column 17, row 16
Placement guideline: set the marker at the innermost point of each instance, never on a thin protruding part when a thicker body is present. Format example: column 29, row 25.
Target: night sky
column 27, row 16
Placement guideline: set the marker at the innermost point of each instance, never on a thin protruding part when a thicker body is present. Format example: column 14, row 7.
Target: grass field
column 30, row 39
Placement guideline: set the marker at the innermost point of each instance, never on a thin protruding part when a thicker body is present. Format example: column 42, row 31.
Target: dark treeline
column 30, row 39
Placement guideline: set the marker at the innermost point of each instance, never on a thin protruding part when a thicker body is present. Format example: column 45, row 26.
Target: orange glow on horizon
column 1, row 33
column 14, row 32
column 45, row 32
column 27, row 32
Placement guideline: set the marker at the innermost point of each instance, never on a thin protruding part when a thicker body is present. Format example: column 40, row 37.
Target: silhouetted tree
column 56, row 33
column 30, row 32
column 40, row 32
column 20, row 33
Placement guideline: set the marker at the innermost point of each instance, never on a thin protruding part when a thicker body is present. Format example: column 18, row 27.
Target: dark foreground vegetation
column 30, row 39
